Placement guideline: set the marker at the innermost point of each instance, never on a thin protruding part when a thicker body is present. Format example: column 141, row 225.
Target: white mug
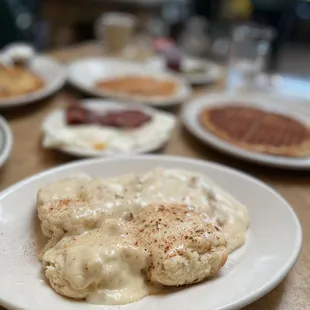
column 115, row 30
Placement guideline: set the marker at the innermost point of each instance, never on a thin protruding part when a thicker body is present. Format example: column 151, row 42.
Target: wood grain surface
column 29, row 158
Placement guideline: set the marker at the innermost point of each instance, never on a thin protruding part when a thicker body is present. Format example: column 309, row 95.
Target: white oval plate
column 84, row 73
column 51, row 122
column 300, row 111
column 6, row 141
column 53, row 75
column 250, row 272
column 212, row 73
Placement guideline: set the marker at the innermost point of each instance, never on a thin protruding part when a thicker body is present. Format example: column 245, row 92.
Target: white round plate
column 251, row 272
column 57, row 117
column 191, row 111
column 6, row 141
column 212, row 72
column 84, row 73
column 53, row 75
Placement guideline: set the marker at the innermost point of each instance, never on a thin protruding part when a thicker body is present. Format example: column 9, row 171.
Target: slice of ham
column 77, row 115
column 125, row 119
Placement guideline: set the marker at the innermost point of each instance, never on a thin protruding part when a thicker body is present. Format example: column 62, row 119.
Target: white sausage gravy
column 111, row 238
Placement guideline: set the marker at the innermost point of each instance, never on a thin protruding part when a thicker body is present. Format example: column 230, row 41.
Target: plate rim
column 227, row 148
column 40, row 94
column 81, row 154
column 7, row 149
column 168, row 102
column 250, row 298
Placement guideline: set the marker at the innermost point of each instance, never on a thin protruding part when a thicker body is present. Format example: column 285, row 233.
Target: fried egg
column 95, row 140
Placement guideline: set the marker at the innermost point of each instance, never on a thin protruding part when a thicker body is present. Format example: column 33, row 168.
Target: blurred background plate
column 156, row 137
column 98, row 69
column 190, row 118
column 196, row 71
column 52, row 73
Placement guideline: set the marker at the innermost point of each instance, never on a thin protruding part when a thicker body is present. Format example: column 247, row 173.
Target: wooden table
column 29, row 158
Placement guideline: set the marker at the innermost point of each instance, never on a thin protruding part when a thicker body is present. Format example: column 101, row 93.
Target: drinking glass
column 247, row 57
column 194, row 41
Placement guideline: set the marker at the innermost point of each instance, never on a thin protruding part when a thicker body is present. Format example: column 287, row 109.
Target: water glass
column 247, row 57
